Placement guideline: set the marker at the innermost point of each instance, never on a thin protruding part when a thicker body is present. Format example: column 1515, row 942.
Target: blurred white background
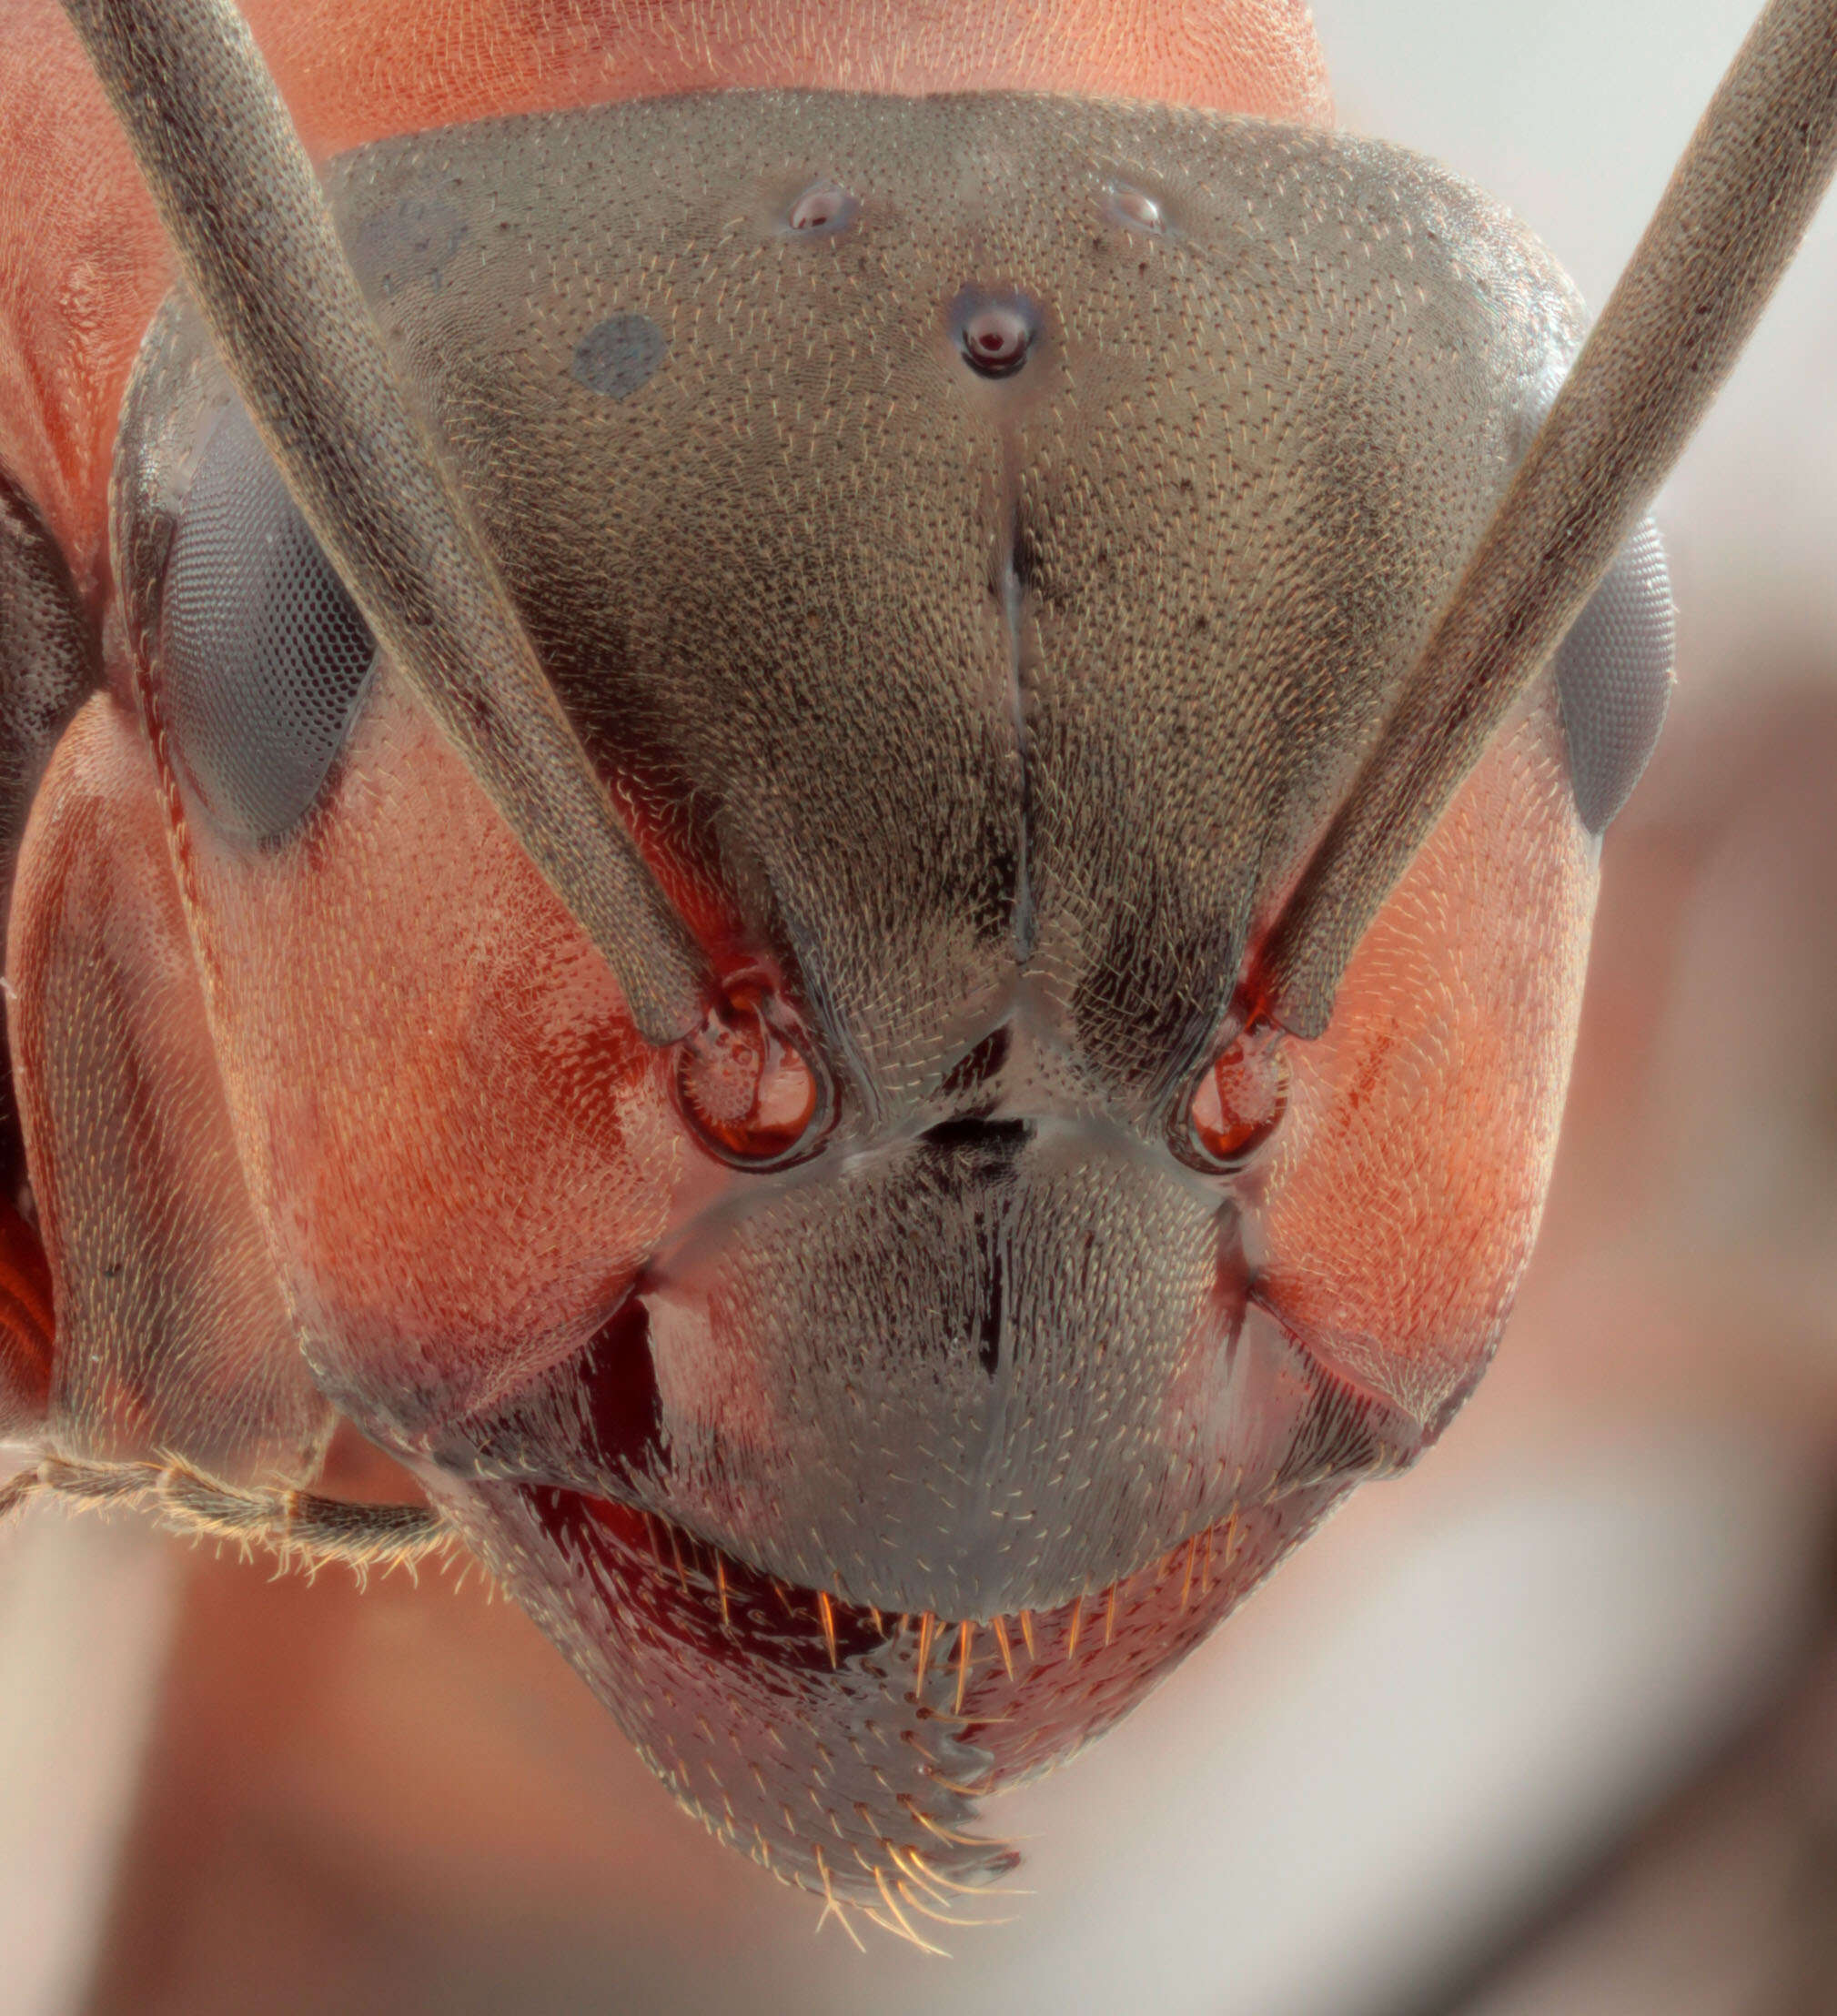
column 217, row 1793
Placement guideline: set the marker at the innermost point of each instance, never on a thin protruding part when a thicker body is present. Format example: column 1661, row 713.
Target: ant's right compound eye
column 263, row 659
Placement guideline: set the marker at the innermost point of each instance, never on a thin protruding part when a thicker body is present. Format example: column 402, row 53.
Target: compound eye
column 264, row 660
column 1614, row 678
column 1237, row 1104
column 747, row 1085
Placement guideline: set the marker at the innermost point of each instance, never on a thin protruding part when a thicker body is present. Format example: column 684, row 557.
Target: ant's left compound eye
column 1237, row 1104
column 746, row 1086
column 1614, row 678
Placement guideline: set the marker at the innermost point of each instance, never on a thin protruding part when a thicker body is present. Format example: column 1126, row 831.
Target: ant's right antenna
column 256, row 240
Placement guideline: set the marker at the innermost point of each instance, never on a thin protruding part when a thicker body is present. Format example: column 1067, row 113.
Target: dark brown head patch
column 974, row 682
column 986, row 534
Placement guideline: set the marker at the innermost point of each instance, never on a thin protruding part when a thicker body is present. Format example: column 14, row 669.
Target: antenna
column 258, row 249
column 1726, row 230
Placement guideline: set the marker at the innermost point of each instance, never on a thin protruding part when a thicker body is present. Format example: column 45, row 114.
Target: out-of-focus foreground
column 1550, row 1725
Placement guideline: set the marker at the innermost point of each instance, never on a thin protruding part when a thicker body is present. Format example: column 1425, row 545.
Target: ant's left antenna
column 1726, row 230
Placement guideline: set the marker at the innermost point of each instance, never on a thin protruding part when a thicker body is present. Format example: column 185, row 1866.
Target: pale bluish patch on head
column 619, row 355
